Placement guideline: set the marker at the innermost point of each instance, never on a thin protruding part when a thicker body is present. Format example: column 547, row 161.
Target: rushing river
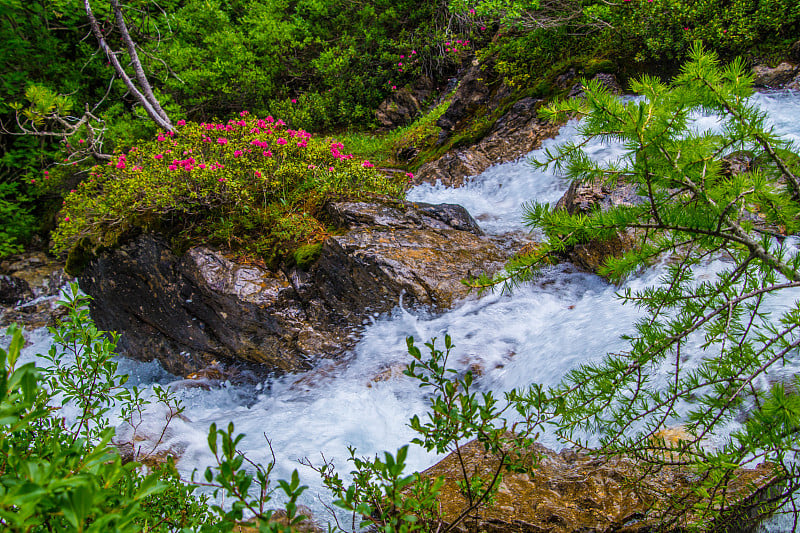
column 536, row 334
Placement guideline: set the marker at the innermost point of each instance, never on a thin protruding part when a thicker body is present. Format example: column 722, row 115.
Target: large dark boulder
column 192, row 310
column 13, row 289
column 203, row 307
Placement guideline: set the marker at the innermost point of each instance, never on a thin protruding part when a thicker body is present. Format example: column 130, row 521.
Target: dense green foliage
column 252, row 185
column 322, row 65
column 60, row 475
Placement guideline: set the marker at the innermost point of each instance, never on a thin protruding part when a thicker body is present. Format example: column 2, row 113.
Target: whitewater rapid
column 536, row 334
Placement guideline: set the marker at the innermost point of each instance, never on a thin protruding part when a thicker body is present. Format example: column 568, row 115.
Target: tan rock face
column 572, row 492
column 29, row 287
column 774, row 78
column 513, row 135
column 585, row 197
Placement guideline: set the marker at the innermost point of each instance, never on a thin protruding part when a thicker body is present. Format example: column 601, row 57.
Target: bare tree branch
column 147, row 100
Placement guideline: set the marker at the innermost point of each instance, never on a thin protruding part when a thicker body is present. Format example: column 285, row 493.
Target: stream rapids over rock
column 535, row 334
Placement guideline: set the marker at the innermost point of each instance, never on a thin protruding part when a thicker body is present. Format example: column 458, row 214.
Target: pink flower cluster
column 304, row 136
column 121, row 162
column 454, row 48
column 335, row 151
column 186, row 164
column 367, row 164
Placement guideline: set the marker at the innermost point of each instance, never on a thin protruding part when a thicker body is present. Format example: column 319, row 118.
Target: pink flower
column 331, row 169
column 402, row 56
column 121, row 164
column 160, row 137
column 413, row 51
column 399, row 64
column 159, row 156
column 367, row 164
column 222, row 140
column 201, row 166
column 221, row 179
column 173, row 167
column 294, row 100
column 394, row 87
column 471, row 11
column 181, row 122
column 483, row 28
column 258, row 174
column 281, row 141
column 66, row 219
column 244, row 113
column 81, row 141
column 311, row 167
column 268, row 153
column 409, row 175
column 237, row 153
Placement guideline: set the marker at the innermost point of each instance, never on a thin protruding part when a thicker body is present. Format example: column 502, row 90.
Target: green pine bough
column 693, row 209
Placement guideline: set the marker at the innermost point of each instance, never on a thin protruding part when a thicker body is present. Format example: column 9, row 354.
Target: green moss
column 78, row 258
column 307, row 255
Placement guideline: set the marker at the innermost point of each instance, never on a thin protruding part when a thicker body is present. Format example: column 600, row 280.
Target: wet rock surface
column 784, row 75
column 404, row 105
column 204, row 308
column 29, row 288
column 513, row 135
column 583, row 197
column 570, row 492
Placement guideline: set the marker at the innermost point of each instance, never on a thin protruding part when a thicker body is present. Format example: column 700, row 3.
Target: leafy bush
column 17, row 220
column 58, row 474
column 250, row 184
column 65, row 475
column 665, row 29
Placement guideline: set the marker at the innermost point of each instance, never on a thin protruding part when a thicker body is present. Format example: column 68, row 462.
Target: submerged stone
column 571, row 492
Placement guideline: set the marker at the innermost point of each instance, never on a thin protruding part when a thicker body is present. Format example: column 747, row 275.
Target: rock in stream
column 204, row 307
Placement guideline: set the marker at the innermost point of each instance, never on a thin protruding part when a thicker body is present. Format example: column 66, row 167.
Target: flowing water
column 536, row 334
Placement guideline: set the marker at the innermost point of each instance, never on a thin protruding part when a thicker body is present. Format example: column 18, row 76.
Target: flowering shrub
column 251, row 184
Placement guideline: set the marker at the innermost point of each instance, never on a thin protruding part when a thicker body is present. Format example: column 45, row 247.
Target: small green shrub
column 62, row 475
column 250, row 184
